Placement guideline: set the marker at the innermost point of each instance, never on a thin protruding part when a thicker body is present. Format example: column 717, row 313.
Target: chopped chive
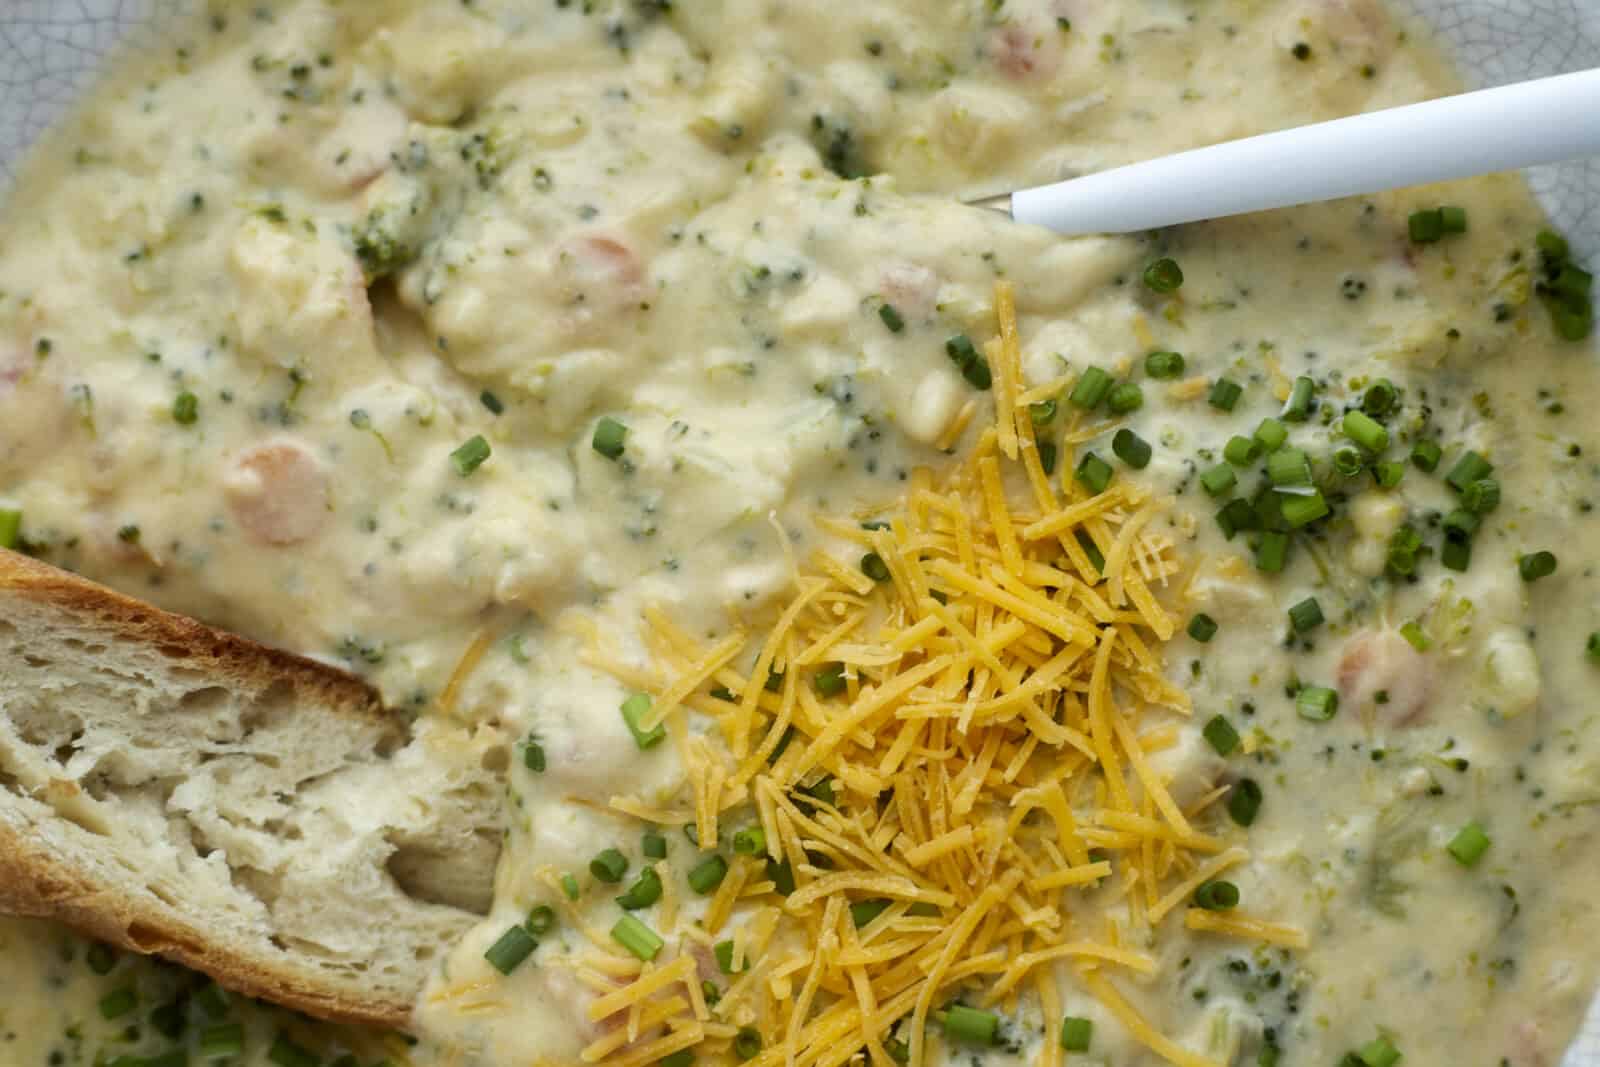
column 634, row 709
column 533, row 756
column 1241, row 451
column 1124, row 398
column 1365, row 431
column 541, row 920
column 892, row 318
column 1219, row 479
column 569, row 886
column 1536, row 565
column 1272, row 434
column 470, row 456
column 1389, row 473
column 1047, row 457
column 492, row 402
column 1470, row 468
column 1132, row 449
column 1482, row 496
column 118, row 1003
column 723, row 950
column 1469, row 844
column 1452, row 219
column 633, row 935
column 873, row 566
column 962, row 352
column 684, row 1057
column 1415, row 636
column 1460, row 524
column 1306, row 615
column 285, row 1053
column 1301, row 511
column 1456, row 555
column 1076, row 1033
column 829, row 681
column 644, row 892
column 1202, row 627
column 1093, row 472
column 747, row 1043
column 1225, row 394
column 653, row 845
column 1221, row 734
column 1380, row 398
column 705, row 876
column 1096, row 558
column 1404, row 544
column 1298, row 407
column 1163, row 276
column 1289, row 468
column 774, row 683
column 978, row 374
column 1317, row 703
column 1244, row 801
column 1425, row 456
column 219, row 1041
column 971, row 1025
column 1090, row 389
column 1163, row 364
column 1042, row 413
column 750, row 842
column 863, row 912
column 1217, row 895
column 185, row 408
column 1425, row 227
column 101, row 958
column 610, row 438
column 10, row 527
column 511, row 949
column 1237, row 515
column 609, row 866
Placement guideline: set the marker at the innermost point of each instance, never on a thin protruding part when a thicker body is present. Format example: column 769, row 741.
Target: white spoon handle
column 1515, row 126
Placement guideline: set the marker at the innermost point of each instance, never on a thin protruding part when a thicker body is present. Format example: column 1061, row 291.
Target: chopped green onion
column 541, row 920
column 1272, row 434
column 723, row 950
column 644, row 892
column 1317, row 703
column 1380, row 398
column 863, row 912
column 1301, row 511
column 1163, row 276
column 285, row 1053
column 1298, row 407
column 1289, row 468
column 705, row 876
column 1124, row 398
column 1076, row 1033
column 747, row 1043
column 971, row 1025
column 1244, row 801
column 1461, row 524
column 1381, row 1051
column 1306, row 615
column 185, row 408
column 1042, row 413
column 1425, row 227
column 1090, row 389
column 961, row 350
column 10, row 527
column 1452, row 220
column 1272, row 554
column 1389, row 473
column 569, row 886
column 634, row 709
column 609, row 866
column 1536, row 565
column 1241, row 451
column 1132, row 449
column 684, row 1057
column 1237, row 515
column 873, row 566
column 513, row 946
column 653, row 845
column 1217, row 895
column 1470, row 468
column 750, row 842
column 1365, row 431
column 1469, row 844
column 1456, row 555
column 1482, row 496
column 1202, row 627
column 1404, row 544
column 219, row 1041
column 101, row 958
column 492, row 402
column 633, row 935
column 1425, row 456
column 1225, row 393
column 1163, row 364
column 830, row 680
column 470, row 456
column 1047, row 455
column 118, row 1003
column 1221, row 734
column 1219, row 479
column 1415, row 636
column 533, row 756
column 1093, row 472
column 891, row 318
column 610, row 437
column 978, row 374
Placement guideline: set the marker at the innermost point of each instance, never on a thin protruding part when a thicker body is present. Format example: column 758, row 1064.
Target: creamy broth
column 262, row 294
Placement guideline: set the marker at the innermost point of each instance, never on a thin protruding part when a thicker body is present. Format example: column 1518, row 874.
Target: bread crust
column 35, row 884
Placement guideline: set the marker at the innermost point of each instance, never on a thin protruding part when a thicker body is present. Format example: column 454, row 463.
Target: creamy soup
column 442, row 339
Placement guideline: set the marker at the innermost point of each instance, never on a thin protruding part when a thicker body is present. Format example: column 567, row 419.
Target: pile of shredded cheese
column 988, row 761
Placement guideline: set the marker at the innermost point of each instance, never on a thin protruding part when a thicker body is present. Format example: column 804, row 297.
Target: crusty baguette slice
column 174, row 789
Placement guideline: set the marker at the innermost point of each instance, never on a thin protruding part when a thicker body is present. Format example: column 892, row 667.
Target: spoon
column 1514, row 126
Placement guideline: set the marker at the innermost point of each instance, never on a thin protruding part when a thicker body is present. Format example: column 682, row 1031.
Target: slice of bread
column 174, row 789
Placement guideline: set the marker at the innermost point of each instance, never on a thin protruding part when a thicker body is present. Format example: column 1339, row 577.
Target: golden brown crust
column 35, row 884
